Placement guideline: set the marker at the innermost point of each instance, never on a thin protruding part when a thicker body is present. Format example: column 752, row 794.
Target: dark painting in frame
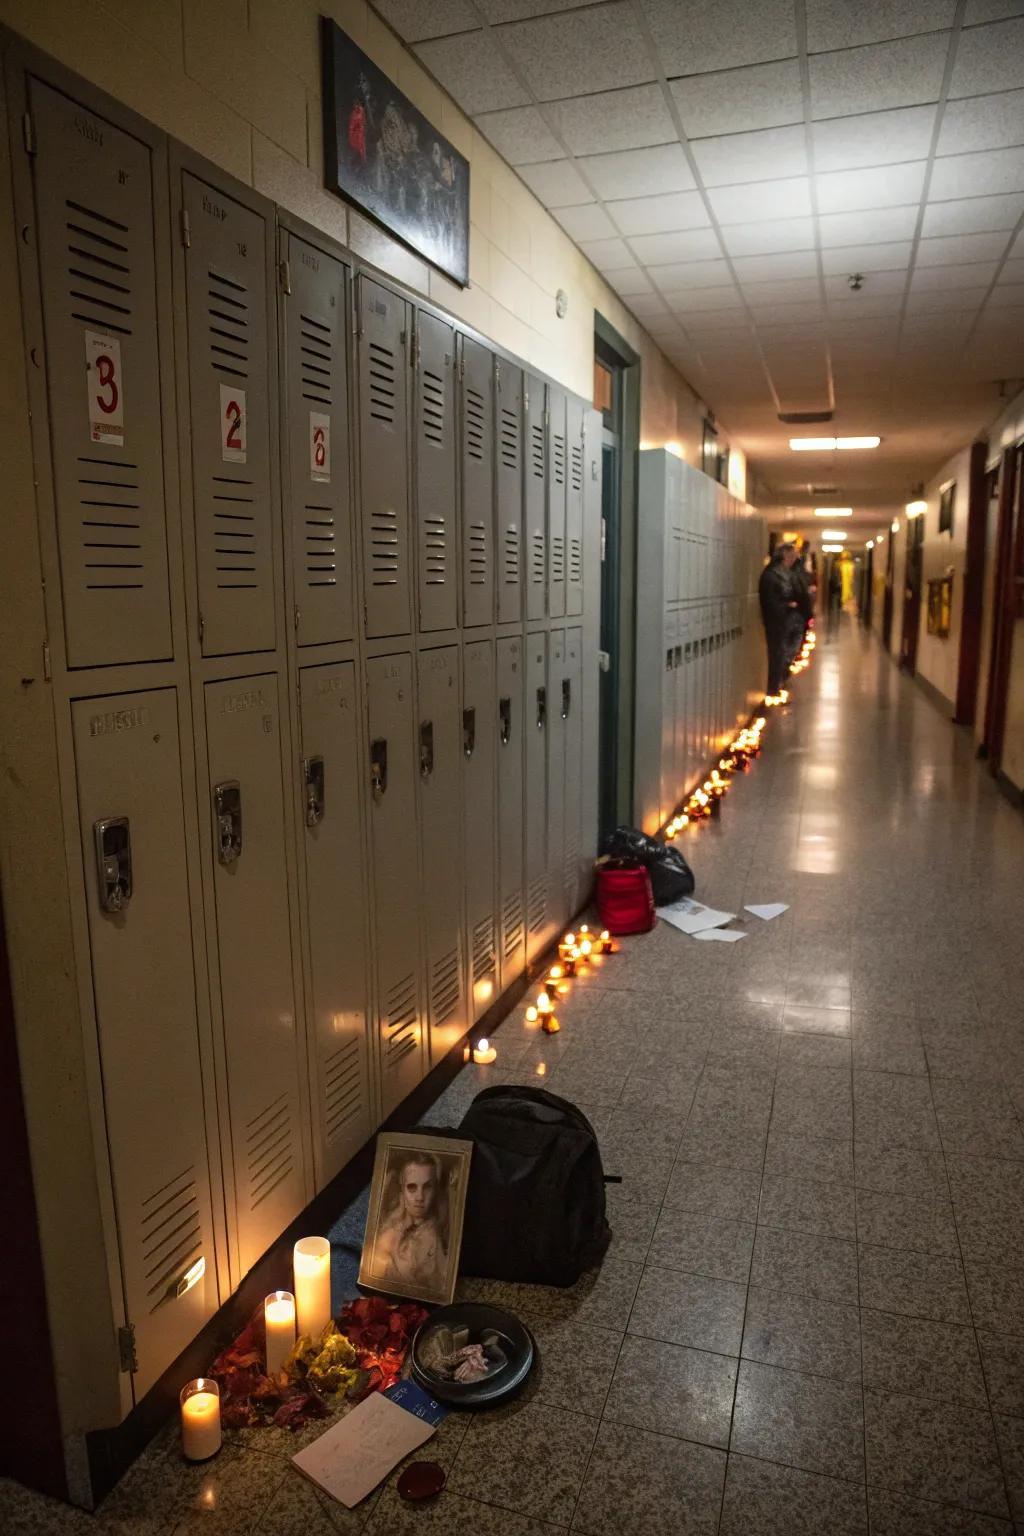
column 382, row 155
column 947, row 499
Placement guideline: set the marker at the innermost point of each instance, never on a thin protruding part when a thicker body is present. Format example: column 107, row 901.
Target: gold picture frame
column 414, row 1224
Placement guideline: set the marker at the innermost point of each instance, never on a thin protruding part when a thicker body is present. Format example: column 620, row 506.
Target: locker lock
column 313, row 779
column 542, row 708
column 426, row 748
column 114, row 862
column 379, row 766
column 227, row 815
column 468, row 732
column 566, row 697
column 505, row 717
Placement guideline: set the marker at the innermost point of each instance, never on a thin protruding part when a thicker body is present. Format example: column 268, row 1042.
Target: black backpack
column 535, row 1209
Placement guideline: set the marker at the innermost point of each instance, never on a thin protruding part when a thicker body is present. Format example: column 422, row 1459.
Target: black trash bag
column 671, row 876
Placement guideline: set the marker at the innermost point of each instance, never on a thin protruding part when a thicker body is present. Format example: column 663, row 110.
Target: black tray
column 479, row 1318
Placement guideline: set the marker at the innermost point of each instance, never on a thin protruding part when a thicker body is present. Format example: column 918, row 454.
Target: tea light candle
column 311, row 1266
column 200, row 1419
column 586, row 948
column 532, row 1015
column 565, row 946
column 279, row 1317
column 484, row 1053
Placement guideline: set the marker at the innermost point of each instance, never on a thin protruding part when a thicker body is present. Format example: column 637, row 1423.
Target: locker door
column 510, row 731
column 257, row 1000
column 383, row 458
column 477, row 422
column 318, row 505
column 574, row 509
column 683, row 674
column 668, row 707
column 126, row 752
column 394, row 877
column 536, row 719
column 534, row 512
column 435, row 473
column 479, row 747
column 572, row 705
column 97, row 221
column 440, row 822
column 557, row 720
column 229, row 411
column 509, row 491
column 335, row 914
column 557, row 477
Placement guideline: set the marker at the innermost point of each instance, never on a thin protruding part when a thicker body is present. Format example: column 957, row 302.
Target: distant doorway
column 890, row 571
column 1008, row 600
column 912, row 594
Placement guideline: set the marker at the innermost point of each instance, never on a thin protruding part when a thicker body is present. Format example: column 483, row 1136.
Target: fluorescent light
column 834, row 533
column 895, row 527
column 833, row 511
column 857, row 442
column 879, row 538
column 915, row 508
column 831, row 549
column 812, row 444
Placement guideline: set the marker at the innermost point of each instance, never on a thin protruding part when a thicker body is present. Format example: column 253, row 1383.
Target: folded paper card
column 768, row 909
column 692, row 916
column 358, row 1452
column 723, row 935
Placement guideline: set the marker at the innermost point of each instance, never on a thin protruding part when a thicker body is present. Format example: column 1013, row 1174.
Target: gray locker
column 572, row 710
column 667, row 792
column 557, row 720
column 536, row 718
column 437, row 578
column 383, row 458
column 440, row 749
column 479, row 748
column 256, row 993
column 509, row 491
column 574, row 509
column 477, row 465
column 534, row 498
column 97, row 220
column 318, row 506
column 558, row 473
column 510, row 733
column 332, row 783
column 229, row 415
column 136, row 891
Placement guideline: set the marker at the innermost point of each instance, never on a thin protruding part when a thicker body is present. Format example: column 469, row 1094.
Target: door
column 557, row 720
column 535, row 500
column 574, row 492
column 887, row 603
column 510, row 733
column 608, row 749
column 509, row 491
column 436, row 580
column 383, row 383
column 535, row 725
column 572, row 710
column 479, row 748
column 912, row 594
column 477, row 482
column 440, row 824
column 1008, row 600
column 557, row 477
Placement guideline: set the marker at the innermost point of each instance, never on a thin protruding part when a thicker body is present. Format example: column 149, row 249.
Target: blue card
column 412, row 1398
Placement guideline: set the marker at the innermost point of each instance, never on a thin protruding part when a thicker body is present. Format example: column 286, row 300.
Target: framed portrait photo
column 414, row 1224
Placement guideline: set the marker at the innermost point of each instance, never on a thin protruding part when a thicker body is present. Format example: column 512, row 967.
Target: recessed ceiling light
column 827, row 444
column 915, row 508
column 831, row 549
column 834, row 533
column 857, row 442
column 833, row 511
column 879, row 538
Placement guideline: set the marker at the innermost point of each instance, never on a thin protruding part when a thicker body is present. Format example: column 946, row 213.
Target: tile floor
column 811, row 1318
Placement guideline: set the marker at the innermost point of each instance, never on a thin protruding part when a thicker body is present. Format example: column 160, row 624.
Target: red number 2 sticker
column 232, row 425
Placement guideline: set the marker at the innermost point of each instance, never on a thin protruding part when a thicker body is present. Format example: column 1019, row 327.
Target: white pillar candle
column 311, row 1264
column 279, row 1317
column 200, row 1419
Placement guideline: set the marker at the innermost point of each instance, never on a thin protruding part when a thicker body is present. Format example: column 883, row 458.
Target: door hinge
column 47, row 668
column 297, row 617
column 186, row 228
column 28, row 133
column 462, row 369
column 202, row 628
column 547, row 418
column 284, row 273
column 526, row 400
column 126, row 1348
column 497, row 374
column 414, row 349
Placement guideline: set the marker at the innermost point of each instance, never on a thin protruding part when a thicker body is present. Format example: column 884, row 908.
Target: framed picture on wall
column 947, row 496
column 940, row 606
column 383, row 156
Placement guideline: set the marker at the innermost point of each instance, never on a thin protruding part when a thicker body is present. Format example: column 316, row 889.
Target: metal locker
column 477, row 461
column 536, row 718
column 574, row 509
column 437, row 579
column 535, row 493
column 394, row 876
column 557, row 477
column 97, row 220
column 254, row 959
column 440, row 823
column 572, row 709
column 229, row 414
column 558, row 716
column 509, row 490
column 510, row 732
column 684, row 643
column 137, row 894
column 383, row 457
column 315, row 413
column 335, row 931
column 479, row 748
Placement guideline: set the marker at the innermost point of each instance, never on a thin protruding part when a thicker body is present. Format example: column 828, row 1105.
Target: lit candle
column 565, row 946
column 585, row 948
column 200, row 1419
column 532, row 1015
column 484, row 1053
column 279, row 1317
column 548, row 1023
column 311, row 1266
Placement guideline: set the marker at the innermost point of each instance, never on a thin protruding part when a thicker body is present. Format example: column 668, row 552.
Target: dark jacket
column 801, row 583
column 775, row 589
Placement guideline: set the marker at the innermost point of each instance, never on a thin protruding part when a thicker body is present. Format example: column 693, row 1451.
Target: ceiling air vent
column 804, row 418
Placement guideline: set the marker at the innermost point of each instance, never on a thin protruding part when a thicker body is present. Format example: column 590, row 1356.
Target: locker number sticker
column 319, row 446
column 106, row 389
column 232, row 425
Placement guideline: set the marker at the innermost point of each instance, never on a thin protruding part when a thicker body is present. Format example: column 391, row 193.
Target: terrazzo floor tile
column 893, row 1514
column 919, row 1356
column 689, row 1309
column 764, row 1499
column 729, row 1194
column 632, row 1223
column 450, row 1514
column 645, row 1482
column 997, row 1297
column 805, row 1265
column 299, row 1508
column 798, row 1017
column 825, row 1161
column 804, row 1421
column 233, row 1496
column 918, row 1222
column 602, row 1297
column 576, row 1362
column 1002, row 1357
column 802, row 1333
column 812, row 1050
column 673, row 1390
column 791, row 1203
column 927, row 1449
column 529, row 1457
column 976, row 1119
column 915, row 1284
column 1010, row 1437
column 702, row 1245
column 900, row 1170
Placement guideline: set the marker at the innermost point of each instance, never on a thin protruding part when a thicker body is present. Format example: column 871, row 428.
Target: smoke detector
column 856, row 281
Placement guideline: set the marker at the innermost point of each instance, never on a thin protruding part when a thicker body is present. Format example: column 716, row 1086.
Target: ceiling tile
column 989, row 59
column 930, row 301
column 968, row 215
column 858, row 306
column 982, row 122
column 655, row 215
column 886, row 256
column 557, row 183
column 900, row 74
column 639, row 172
column 692, row 36
column 996, row 171
column 1012, row 293
column 648, row 305
column 768, row 235
column 703, row 320
column 754, row 201
column 518, row 10
column 627, row 119
column 520, row 135
column 891, row 281
column 1012, row 271
column 947, row 250
column 794, row 291
column 787, row 314
column 607, row 253
column 473, row 71
column 628, row 281
column 876, row 138
column 681, row 277
column 587, row 222
column 868, row 227
column 578, row 52
column 744, row 157
column 884, row 186
column 415, row 20
column 971, row 276
column 838, row 24
column 734, row 100
column 767, row 268
column 684, row 245
column 699, row 299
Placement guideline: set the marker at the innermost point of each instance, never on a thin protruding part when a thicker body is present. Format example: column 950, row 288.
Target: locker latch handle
column 227, row 814
column 678, row 656
column 313, row 779
column 505, row 716
column 566, row 697
column 468, row 732
column 426, row 748
column 114, row 862
column 542, row 708
column 379, row 766
column 668, row 659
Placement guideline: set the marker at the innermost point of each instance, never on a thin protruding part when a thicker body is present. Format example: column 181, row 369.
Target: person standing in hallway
column 835, row 596
column 778, row 603
column 801, row 615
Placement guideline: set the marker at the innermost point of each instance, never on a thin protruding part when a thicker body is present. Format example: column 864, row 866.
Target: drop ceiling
column 728, row 165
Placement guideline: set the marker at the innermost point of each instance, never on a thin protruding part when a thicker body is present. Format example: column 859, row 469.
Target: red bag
column 625, row 901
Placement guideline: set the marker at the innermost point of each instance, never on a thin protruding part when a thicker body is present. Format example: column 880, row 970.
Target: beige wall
column 938, row 660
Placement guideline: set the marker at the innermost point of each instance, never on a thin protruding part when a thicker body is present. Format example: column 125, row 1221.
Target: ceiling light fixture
column 834, row 533
column 857, row 442
column 894, row 526
column 879, row 538
column 870, row 544
column 828, row 444
column 915, row 508
column 831, row 549
column 833, row 511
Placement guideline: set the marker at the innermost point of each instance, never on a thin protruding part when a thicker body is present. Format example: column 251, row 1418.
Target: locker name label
column 235, row 703
column 106, row 389
column 118, row 720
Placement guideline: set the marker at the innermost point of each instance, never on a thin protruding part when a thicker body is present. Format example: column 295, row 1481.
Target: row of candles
column 286, row 1314
column 576, row 952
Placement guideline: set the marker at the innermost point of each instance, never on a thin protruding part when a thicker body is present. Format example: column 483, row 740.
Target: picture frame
column 947, row 500
column 386, row 159
column 414, row 1223
column 940, row 606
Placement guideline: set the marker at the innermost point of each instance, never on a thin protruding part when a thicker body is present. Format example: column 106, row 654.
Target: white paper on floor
column 724, row 935
column 768, row 909
column 692, row 916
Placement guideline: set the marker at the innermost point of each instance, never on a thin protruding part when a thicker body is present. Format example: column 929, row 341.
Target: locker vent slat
column 269, row 1149
column 382, row 383
column 483, row 949
column 342, row 1088
column 99, row 268
column 170, row 1234
column 316, row 359
column 435, row 539
column 432, row 407
column 512, row 925
column 475, row 422
column 537, row 451
column 111, row 526
column 576, row 468
column 558, row 459
column 234, row 533
column 575, row 560
column 384, row 546
column 572, row 860
column 537, row 905
column 321, row 548
column 537, row 572
column 228, row 325
column 444, row 987
column 401, row 1029
column 557, row 558
column 510, row 556
column 478, row 554
column 510, row 438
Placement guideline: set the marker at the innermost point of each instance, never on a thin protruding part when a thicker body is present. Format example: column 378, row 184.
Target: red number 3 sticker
column 232, row 425
column 106, row 389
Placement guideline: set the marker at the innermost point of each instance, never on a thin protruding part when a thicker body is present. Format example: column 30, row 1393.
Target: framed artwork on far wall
column 414, row 1224
column 940, row 606
column 947, row 496
column 383, row 156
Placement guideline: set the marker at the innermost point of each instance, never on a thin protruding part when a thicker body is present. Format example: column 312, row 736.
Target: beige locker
column 383, row 380
column 509, row 491
column 510, row 733
column 559, row 704
column 335, row 915
column 436, row 534
column 394, row 877
column 477, row 480
column 537, row 715
column 143, row 975
column 572, row 708
column 574, row 508
column 318, row 501
column 440, row 823
column 534, row 499
column 557, row 476
column 229, row 371
column 254, row 959
column 97, row 221
column 479, row 749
